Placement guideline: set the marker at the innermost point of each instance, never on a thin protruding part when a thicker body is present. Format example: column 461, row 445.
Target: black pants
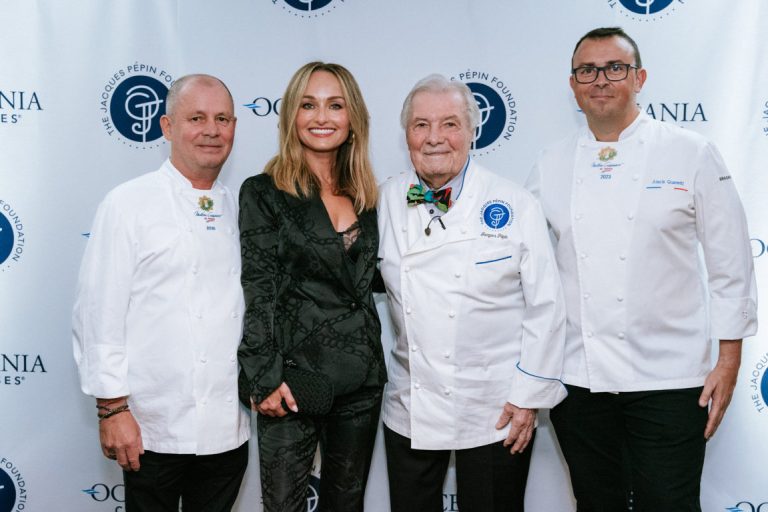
column 646, row 446
column 346, row 436
column 488, row 478
column 203, row 483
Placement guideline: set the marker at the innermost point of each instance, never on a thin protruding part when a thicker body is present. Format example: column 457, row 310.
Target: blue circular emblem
column 308, row 5
column 645, row 6
column 6, row 239
column 764, row 387
column 493, row 114
column 496, row 215
column 136, row 107
column 7, row 490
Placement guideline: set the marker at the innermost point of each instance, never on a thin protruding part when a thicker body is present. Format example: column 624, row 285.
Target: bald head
column 180, row 85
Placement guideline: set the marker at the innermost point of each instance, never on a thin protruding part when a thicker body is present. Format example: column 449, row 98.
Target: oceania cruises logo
column 14, row 105
column 645, row 10
column 263, row 106
column 498, row 110
column 13, row 487
column 758, row 384
column 308, row 8
column 132, row 102
column 748, row 506
column 12, row 238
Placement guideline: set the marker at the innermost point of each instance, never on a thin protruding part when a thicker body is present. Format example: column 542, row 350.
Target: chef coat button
column 582, row 144
column 451, row 313
column 579, row 181
column 589, row 334
column 229, row 399
column 447, row 392
column 621, row 335
column 233, row 271
column 234, row 314
column 578, row 216
column 231, row 231
column 417, row 385
column 622, row 257
column 635, row 177
column 620, row 298
column 446, row 354
column 204, row 401
column 630, row 216
column 198, row 315
column 194, row 269
column 744, row 315
column 403, row 229
column 233, row 358
column 463, row 230
column 203, row 360
column 583, row 255
column 407, row 268
column 457, row 274
column 586, row 296
column 414, row 348
column 408, row 311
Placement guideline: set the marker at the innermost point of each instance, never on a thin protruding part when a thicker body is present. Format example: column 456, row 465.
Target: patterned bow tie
column 419, row 194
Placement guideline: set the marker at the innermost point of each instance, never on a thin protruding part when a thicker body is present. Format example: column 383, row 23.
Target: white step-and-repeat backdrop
column 67, row 137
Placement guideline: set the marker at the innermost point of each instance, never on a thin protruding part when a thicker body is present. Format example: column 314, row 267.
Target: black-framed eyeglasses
column 614, row 72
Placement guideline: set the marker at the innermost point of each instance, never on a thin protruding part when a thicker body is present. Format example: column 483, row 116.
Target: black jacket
column 305, row 299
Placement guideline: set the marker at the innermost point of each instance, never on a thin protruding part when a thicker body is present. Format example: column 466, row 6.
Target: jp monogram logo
column 498, row 114
column 645, row 10
column 133, row 101
column 307, row 8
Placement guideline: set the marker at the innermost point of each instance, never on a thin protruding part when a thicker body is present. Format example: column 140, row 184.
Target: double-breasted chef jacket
column 629, row 218
column 477, row 311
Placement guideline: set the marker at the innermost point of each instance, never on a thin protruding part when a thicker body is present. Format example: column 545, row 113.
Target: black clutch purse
column 312, row 391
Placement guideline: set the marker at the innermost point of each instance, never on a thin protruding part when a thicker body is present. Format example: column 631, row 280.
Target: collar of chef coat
column 640, row 120
column 181, row 181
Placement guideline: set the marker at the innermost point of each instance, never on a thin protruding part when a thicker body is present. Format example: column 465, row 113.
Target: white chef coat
column 629, row 218
column 477, row 311
column 159, row 309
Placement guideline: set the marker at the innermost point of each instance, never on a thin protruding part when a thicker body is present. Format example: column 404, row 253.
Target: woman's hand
column 273, row 404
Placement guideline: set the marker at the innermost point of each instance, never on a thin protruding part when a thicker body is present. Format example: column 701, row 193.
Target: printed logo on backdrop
column 132, row 102
column 676, row 112
column 498, row 110
column 645, row 10
column 765, row 118
column 263, row 106
column 111, row 495
column 758, row 384
column 16, row 104
column 16, row 368
column 758, row 247
column 13, row 487
column 308, row 8
column 12, row 238
column 748, row 506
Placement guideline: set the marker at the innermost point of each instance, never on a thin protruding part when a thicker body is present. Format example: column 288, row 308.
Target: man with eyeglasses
column 631, row 201
column 157, row 319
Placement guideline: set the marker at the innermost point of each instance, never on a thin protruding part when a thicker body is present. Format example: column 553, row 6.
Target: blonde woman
column 311, row 356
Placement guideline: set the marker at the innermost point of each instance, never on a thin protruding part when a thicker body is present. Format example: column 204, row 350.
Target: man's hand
column 521, row 426
column 718, row 387
column 273, row 404
column 120, row 438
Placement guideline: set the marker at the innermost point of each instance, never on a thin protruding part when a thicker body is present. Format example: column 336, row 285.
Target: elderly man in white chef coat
column 157, row 321
column 477, row 309
column 631, row 201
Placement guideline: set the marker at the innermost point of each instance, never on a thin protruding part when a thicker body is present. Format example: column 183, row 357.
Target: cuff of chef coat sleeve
column 733, row 319
column 105, row 372
column 533, row 392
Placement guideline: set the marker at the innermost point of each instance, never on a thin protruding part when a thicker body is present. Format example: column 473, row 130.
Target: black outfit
column 488, row 478
column 203, row 483
column 308, row 301
column 641, row 451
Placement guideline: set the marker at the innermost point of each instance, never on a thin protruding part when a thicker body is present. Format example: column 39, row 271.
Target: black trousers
column 203, row 483
column 488, row 478
column 644, row 449
column 346, row 436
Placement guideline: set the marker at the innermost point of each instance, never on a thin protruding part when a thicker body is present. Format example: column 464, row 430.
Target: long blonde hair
column 353, row 172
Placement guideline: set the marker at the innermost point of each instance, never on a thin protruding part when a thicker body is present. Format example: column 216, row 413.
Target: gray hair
column 437, row 83
column 174, row 93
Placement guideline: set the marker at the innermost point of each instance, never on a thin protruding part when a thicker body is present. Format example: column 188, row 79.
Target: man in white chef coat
column 477, row 309
column 157, row 320
column 631, row 201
